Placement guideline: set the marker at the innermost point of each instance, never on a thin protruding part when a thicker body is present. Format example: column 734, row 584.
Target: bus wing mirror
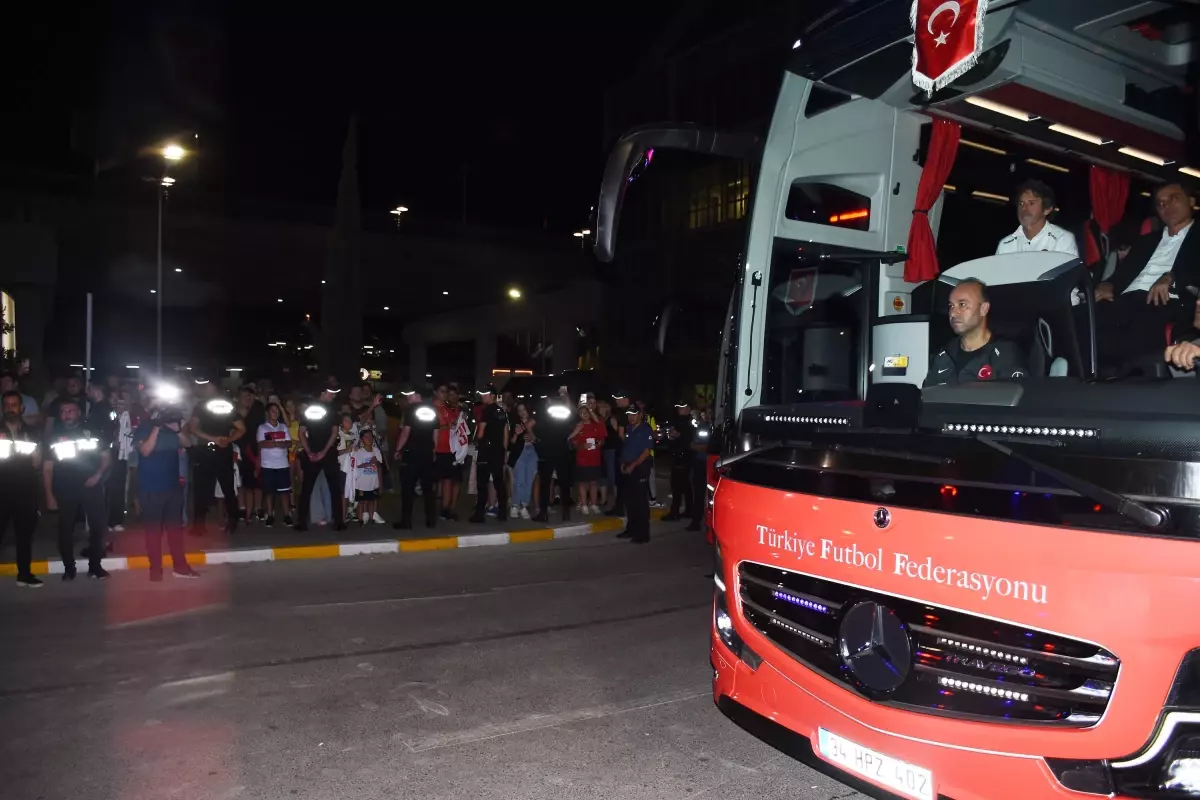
column 634, row 151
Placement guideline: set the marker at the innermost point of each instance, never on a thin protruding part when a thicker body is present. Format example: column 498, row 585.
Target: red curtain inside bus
column 1109, row 191
column 922, row 264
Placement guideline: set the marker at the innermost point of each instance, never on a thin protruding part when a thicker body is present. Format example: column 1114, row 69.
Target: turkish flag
column 947, row 40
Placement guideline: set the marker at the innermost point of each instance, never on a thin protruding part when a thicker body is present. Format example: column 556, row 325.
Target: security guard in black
column 414, row 453
column 976, row 354
column 491, row 440
column 682, row 434
column 20, row 462
column 215, row 425
column 74, row 471
column 319, row 455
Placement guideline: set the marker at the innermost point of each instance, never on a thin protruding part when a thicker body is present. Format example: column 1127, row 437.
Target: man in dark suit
column 1152, row 287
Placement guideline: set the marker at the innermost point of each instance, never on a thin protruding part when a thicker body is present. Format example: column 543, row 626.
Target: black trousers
column 417, row 469
column 337, row 487
column 682, row 501
column 1128, row 328
column 490, row 465
column 114, row 489
column 162, row 513
column 73, row 496
column 699, row 490
column 637, row 503
column 213, row 467
column 20, row 508
column 619, row 491
column 561, row 463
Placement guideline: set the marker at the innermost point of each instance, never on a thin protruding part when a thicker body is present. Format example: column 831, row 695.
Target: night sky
column 515, row 96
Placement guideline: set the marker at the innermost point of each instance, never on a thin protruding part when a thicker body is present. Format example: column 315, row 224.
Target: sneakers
column 378, row 520
column 28, row 582
column 270, row 521
column 582, row 509
column 514, row 511
column 287, row 520
column 68, row 574
column 541, row 516
column 188, row 573
column 596, row 510
column 118, row 529
column 98, row 573
column 524, row 512
column 492, row 511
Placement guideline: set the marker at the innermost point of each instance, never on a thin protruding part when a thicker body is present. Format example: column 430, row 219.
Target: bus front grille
column 947, row 662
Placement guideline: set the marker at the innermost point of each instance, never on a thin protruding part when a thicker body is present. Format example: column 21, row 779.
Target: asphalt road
column 572, row 669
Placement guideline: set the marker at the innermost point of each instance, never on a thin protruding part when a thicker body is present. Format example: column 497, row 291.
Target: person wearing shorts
column 588, row 439
column 365, row 463
column 274, row 441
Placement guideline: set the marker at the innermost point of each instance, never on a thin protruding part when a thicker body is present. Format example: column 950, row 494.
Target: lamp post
column 515, row 294
column 171, row 154
column 398, row 212
column 582, row 237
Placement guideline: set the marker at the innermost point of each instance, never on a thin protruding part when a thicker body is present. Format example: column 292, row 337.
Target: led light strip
column 799, row 601
column 974, row 648
column 957, row 427
column 797, row 631
column 991, row 691
column 808, row 420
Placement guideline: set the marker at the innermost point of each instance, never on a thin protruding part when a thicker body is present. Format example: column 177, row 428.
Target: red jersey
column 589, row 444
column 446, row 417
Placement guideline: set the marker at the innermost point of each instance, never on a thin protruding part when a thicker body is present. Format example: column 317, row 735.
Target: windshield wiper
column 1153, row 518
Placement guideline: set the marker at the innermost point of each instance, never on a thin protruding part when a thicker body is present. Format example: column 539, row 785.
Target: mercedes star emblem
column 874, row 644
column 883, row 518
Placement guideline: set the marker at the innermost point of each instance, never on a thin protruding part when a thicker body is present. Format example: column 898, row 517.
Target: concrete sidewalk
column 254, row 542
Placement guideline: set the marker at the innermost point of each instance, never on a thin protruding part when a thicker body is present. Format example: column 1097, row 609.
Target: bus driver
column 975, row 354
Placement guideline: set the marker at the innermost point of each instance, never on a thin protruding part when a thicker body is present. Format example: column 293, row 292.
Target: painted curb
column 314, row 551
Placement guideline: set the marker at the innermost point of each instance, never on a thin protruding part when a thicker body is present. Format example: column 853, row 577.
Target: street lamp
column 172, row 154
column 398, row 212
column 514, row 293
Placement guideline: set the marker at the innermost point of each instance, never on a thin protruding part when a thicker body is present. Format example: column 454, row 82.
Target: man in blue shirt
column 635, row 466
column 160, row 491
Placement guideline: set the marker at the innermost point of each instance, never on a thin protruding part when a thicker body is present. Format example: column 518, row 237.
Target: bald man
column 975, row 354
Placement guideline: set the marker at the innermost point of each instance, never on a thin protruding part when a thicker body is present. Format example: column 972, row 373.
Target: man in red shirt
column 444, row 468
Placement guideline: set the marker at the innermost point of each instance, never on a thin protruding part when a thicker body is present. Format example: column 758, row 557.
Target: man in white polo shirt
column 1153, row 287
column 1035, row 204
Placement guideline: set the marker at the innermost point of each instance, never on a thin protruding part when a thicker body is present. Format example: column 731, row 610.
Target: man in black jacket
column 1153, row 287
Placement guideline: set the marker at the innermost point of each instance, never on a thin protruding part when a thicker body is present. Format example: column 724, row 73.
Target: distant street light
column 171, row 153
column 398, row 212
column 514, row 293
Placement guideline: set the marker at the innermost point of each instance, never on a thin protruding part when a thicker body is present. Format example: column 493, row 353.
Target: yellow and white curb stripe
column 303, row 552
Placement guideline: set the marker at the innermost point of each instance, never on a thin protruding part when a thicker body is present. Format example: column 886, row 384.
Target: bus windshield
column 815, row 310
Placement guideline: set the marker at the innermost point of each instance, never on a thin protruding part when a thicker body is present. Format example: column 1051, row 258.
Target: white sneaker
column 378, row 520
column 117, row 529
column 595, row 509
column 514, row 511
column 524, row 512
column 581, row 508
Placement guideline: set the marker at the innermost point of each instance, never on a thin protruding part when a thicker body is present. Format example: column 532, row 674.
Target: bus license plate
column 896, row 775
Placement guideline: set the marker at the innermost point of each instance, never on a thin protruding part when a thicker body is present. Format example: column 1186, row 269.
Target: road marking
column 494, row 730
column 311, row 551
column 572, row 531
column 387, row 600
column 241, row 556
column 368, row 548
column 483, row 539
column 436, row 543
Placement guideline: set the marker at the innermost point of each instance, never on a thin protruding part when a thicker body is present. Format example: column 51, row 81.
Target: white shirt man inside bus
column 1035, row 204
column 976, row 354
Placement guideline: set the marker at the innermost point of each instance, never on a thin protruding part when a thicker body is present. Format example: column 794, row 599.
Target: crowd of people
column 168, row 453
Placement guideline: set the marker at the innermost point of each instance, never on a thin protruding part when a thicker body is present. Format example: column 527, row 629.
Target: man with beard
column 976, row 354
column 20, row 461
column 73, row 475
column 73, row 393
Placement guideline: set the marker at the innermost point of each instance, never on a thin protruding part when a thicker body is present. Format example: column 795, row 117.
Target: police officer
column 20, row 462
column 636, row 452
column 699, row 467
column 214, row 426
column 976, row 354
column 619, row 421
column 73, row 473
column 681, row 435
column 554, row 426
column 414, row 454
column 318, row 454
column 491, row 442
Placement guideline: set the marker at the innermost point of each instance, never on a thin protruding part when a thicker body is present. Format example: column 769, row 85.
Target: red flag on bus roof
column 947, row 40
